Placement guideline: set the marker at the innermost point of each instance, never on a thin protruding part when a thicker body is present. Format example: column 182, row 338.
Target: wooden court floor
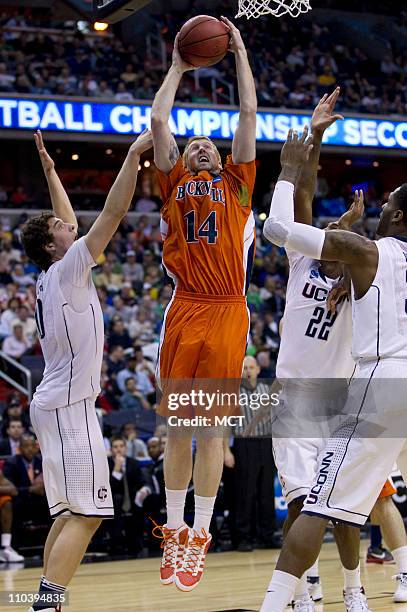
column 233, row 581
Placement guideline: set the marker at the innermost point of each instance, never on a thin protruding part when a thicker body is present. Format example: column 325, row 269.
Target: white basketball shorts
column 75, row 467
column 304, row 412
column 362, row 451
column 296, row 460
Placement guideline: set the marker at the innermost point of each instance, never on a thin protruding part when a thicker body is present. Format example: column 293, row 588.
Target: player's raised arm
column 61, row 204
column 347, row 247
column 244, row 141
column 322, row 118
column 280, row 228
column 165, row 148
column 119, row 198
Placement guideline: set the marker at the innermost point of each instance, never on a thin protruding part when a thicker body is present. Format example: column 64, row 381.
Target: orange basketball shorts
column 202, row 346
column 388, row 489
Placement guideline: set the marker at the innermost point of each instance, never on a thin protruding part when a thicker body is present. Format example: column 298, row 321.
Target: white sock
column 302, row 588
column 352, row 578
column 400, row 557
column 203, row 513
column 313, row 571
column 5, row 540
column 280, row 592
column 175, row 507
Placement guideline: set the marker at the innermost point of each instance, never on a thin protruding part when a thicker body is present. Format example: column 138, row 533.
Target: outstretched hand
column 324, row 115
column 46, row 160
column 143, row 142
column 177, row 60
column 236, row 42
column 296, row 150
column 355, row 212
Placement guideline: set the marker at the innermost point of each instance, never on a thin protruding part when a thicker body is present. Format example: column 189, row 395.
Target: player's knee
column 178, row 444
column 90, row 523
column 347, row 533
column 94, row 524
column 208, row 444
column 298, row 548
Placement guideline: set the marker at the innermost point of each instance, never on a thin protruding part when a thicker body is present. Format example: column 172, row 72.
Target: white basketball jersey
column 380, row 316
column 70, row 326
column 314, row 343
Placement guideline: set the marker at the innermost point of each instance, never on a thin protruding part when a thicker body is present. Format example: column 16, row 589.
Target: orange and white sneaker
column 173, row 542
column 190, row 570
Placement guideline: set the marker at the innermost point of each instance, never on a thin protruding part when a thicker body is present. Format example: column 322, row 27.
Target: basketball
column 203, row 41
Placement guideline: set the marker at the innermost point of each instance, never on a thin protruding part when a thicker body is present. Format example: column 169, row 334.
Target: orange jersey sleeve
column 241, row 179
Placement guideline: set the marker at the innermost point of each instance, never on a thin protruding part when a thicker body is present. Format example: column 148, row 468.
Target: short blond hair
column 185, row 155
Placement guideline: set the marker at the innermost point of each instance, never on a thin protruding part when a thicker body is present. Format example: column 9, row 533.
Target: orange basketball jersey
column 208, row 228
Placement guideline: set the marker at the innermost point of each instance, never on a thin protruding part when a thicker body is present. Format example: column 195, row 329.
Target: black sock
column 48, row 589
column 375, row 536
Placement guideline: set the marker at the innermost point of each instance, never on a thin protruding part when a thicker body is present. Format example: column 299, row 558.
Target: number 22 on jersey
column 319, row 328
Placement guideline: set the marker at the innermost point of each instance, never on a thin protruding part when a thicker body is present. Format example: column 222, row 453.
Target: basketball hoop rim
column 278, row 8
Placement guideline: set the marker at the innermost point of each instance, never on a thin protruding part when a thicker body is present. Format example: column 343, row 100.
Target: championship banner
column 217, row 123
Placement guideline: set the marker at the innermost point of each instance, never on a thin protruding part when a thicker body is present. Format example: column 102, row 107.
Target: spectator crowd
column 303, row 60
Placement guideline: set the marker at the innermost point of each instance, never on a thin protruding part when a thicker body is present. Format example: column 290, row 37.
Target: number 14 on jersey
column 206, row 231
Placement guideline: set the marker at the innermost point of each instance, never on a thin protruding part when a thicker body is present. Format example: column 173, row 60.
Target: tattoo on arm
column 347, row 247
column 174, row 151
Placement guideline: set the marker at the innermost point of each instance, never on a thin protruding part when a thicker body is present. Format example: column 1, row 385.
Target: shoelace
column 193, row 553
column 168, row 542
column 356, row 602
column 303, row 606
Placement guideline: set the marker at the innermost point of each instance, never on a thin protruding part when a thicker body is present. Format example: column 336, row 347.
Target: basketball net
column 278, row 8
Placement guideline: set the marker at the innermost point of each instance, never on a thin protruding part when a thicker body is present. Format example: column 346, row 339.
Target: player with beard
column 371, row 439
column 313, row 366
